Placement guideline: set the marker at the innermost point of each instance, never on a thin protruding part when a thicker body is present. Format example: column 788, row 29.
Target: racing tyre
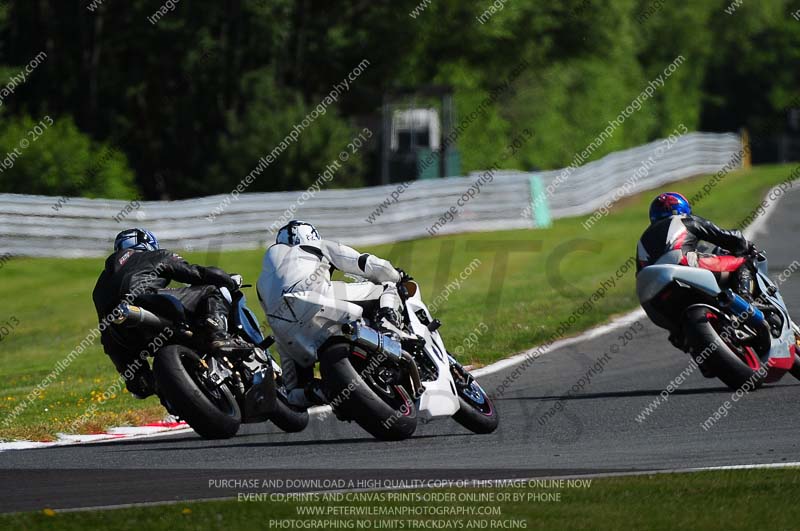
column 286, row 417
column 183, row 382
column 737, row 366
column 795, row 370
column 385, row 411
column 477, row 412
column 796, row 367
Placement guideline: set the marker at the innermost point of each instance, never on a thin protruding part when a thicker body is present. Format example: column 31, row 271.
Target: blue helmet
column 669, row 204
column 137, row 239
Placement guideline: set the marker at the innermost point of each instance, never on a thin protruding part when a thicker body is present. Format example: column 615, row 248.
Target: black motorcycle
column 213, row 393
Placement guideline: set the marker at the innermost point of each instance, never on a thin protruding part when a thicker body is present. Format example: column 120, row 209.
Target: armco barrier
column 29, row 225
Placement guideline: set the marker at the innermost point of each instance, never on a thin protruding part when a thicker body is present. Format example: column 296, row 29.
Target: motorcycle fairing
column 440, row 397
column 653, row 279
column 246, row 320
column 781, row 354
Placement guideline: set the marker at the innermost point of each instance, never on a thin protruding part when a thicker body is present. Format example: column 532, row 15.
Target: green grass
column 729, row 501
column 51, row 299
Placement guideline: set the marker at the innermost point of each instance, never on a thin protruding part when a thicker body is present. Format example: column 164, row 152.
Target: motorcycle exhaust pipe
column 751, row 316
column 372, row 340
column 135, row 316
column 735, row 304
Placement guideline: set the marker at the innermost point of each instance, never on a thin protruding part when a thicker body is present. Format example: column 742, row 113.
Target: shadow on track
column 326, row 442
column 634, row 394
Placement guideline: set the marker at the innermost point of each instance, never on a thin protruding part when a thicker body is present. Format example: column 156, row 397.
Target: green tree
column 754, row 71
column 270, row 115
column 60, row 160
column 680, row 27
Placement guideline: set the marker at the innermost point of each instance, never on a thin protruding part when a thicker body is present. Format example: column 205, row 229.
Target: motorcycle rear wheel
column 387, row 414
column 735, row 365
column 211, row 411
column 795, row 370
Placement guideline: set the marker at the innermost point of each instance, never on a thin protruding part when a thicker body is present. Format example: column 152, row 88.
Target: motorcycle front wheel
column 476, row 412
column 795, row 371
column 182, row 379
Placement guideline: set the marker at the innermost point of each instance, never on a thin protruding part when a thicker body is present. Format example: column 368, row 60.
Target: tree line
column 186, row 103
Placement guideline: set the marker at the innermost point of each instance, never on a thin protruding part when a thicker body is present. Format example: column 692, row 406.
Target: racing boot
column 139, row 380
column 678, row 341
column 309, row 395
column 142, row 383
column 220, row 341
column 745, row 286
column 314, row 393
column 173, row 415
column 388, row 320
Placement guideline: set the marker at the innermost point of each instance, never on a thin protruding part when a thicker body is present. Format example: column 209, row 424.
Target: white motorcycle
column 386, row 383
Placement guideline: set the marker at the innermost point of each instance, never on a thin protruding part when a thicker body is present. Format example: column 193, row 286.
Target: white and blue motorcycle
column 387, row 382
column 730, row 338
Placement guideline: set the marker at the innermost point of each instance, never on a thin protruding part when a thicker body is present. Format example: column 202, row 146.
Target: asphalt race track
column 595, row 431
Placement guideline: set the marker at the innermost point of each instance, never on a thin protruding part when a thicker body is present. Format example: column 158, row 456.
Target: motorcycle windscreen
column 249, row 323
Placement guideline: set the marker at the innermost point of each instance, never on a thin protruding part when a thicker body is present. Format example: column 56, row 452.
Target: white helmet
column 296, row 233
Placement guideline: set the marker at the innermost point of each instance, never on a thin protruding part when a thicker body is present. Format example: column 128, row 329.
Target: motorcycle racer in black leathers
column 676, row 236
column 138, row 268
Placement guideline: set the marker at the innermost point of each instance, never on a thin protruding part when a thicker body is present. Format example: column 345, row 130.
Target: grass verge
column 727, row 500
column 514, row 289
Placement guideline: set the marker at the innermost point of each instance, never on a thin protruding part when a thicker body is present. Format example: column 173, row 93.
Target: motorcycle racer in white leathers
column 304, row 307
